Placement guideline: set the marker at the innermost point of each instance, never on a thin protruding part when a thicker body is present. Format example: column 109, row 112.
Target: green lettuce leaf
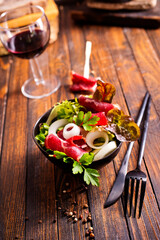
column 65, row 110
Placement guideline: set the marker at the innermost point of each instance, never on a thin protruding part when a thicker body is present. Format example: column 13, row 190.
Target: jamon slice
column 95, row 106
column 80, row 83
column 54, row 143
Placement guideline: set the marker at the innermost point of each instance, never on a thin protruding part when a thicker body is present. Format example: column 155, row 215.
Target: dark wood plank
column 5, row 74
column 41, row 205
column 149, row 63
column 41, row 196
column 104, row 66
column 134, row 89
column 5, row 64
column 13, row 161
column 70, row 57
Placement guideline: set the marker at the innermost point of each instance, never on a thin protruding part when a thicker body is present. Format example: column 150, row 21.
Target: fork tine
column 131, row 199
column 143, row 187
column 126, row 195
column 136, row 196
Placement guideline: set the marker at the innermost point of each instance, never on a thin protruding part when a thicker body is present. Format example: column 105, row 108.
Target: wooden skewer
column 87, row 58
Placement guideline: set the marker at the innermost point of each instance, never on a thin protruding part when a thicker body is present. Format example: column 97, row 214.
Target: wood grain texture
column 131, row 81
column 13, row 163
column 5, row 74
column 129, row 5
column 35, row 195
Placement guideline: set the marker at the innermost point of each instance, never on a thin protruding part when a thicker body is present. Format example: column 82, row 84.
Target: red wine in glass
column 28, row 44
column 28, row 39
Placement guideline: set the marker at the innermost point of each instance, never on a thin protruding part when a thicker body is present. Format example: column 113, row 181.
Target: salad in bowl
column 85, row 133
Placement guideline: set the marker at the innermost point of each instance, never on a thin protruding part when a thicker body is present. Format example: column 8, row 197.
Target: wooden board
column 124, row 4
column 6, row 5
column 146, row 18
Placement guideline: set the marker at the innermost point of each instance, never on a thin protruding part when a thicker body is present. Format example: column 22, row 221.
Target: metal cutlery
column 118, row 185
column 136, row 177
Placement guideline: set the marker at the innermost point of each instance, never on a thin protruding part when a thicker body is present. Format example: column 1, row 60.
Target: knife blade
column 118, row 185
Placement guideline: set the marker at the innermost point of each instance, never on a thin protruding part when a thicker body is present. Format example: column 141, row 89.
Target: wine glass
column 25, row 33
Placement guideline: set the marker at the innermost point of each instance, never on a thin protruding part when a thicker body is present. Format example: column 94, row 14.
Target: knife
column 118, row 185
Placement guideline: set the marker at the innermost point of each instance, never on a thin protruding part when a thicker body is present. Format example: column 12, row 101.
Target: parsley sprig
column 90, row 175
column 86, row 120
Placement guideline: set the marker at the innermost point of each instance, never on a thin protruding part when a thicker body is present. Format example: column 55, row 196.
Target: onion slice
column 105, row 150
column 92, row 136
column 71, row 130
column 57, row 124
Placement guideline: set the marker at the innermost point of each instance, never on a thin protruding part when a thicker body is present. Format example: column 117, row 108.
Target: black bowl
column 66, row 166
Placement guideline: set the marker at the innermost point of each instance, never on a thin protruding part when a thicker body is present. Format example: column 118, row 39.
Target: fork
column 136, row 176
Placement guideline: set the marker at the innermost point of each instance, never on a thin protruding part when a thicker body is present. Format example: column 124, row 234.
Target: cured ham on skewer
column 95, row 106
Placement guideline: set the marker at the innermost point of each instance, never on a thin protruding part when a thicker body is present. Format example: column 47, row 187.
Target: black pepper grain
column 89, row 218
column 91, row 235
column 90, row 229
column 75, row 220
column 87, row 233
column 84, row 220
column 85, row 205
column 70, row 214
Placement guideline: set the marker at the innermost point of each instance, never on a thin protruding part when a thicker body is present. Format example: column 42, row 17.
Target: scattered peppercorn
column 40, row 221
column 84, row 220
column 75, row 220
column 54, row 221
column 70, row 214
column 26, row 218
column 64, row 191
column 87, row 233
column 59, row 208
column 74, row 203
column 91, row 235
column 67, row 184
column 85, row 205
column 65, row 213
column 90, row 229
column 86, row 211
column 80, row 217
column 74, row 212
column 89, row 218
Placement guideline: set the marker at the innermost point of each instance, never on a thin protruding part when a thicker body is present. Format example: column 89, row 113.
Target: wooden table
column 32, row 196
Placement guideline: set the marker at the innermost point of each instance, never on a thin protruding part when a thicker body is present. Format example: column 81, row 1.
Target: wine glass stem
column 37, row 73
